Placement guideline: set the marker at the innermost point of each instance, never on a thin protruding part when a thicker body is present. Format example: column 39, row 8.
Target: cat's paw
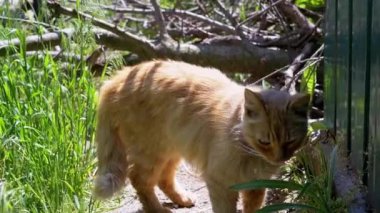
column 186, row 201
column 164, row 210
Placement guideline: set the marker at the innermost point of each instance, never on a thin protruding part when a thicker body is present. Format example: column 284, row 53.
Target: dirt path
column 188, row 181
column 191, row 183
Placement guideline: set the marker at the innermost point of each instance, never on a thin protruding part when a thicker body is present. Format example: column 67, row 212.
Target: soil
column 190, row 182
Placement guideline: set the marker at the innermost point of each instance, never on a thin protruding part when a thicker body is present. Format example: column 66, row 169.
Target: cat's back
column 157, row 78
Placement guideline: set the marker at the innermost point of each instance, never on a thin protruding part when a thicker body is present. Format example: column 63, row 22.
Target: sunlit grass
column 47, row 118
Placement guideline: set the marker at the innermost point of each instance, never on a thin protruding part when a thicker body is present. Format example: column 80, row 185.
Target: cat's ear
column 300, row 104
column 254, row 105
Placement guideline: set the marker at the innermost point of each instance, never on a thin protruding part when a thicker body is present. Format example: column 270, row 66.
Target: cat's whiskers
column 239, row 141
column 247, row 149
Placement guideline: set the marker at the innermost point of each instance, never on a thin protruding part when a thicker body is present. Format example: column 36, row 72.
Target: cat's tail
column 111, row 152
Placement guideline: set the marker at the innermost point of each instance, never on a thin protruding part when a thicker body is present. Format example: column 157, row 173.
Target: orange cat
column 152, row 115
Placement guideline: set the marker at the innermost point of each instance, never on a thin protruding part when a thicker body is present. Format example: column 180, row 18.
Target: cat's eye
column 263, row 142
column 250, row 113
column 290, row 141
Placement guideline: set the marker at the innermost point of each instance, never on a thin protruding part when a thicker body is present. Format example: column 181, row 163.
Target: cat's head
column 275, row 123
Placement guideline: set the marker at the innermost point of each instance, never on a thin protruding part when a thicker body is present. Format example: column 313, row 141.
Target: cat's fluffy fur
column 152, row 115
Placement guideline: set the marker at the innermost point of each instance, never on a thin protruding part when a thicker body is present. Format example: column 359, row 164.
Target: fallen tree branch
column 57, row 55
column 34, row 42
column 228, row 56
column 236, row 56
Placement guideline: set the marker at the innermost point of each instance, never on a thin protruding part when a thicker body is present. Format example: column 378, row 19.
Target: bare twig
column 316, row 113
column 308, row 34
column 289, row 73
column 255, row 16
column 285, row 40
column 231, row 19
column 160, row 21
column 226, row 13
column 29, row 22
column 282, row 69
column 201, row 6
column 181, row 13
column 310, row 13
column 137, row 43
column 190, row 30
column 292, row 12
column 315, row 54
column 55, row 54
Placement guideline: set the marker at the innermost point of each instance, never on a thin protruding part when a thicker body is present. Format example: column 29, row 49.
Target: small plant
column 313, row 193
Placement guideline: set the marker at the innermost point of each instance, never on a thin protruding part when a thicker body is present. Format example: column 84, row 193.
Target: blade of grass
column 271, row 184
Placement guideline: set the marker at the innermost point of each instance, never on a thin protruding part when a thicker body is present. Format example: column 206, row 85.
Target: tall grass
column 46, row 133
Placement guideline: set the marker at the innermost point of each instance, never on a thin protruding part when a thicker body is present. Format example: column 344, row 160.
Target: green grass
column 47, row 120
column 47, row 123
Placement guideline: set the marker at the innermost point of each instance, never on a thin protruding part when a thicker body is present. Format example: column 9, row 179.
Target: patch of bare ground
column 193, row 184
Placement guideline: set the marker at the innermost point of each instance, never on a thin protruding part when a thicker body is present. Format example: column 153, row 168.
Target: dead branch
column 256, row 15
column 160, row 21
column 228, row 56
column 294, row 67
column 181, row 13
column 294, row 14
column 236, row 56
column 231, row 19
column 27, row 21
column 135, row 43
column 193, row 32
column 57, row 55
column 297, row 73
column 34, row 42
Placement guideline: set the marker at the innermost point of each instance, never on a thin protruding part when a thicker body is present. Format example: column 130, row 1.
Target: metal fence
column 352, row 84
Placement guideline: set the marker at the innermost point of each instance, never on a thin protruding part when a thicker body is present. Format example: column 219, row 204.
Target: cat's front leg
column 223, row 200
column 252, row 200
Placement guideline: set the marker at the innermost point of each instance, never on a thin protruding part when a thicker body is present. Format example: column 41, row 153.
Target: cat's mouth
column 276, row 162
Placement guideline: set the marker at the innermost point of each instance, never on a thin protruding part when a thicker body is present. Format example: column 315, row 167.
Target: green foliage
column 238, row 77
column 273, row 184
column 314, row 192
column 316, row 126
column 310, row 4
column 309, row 79
column 243, row 13
column 47, row 123
column 168, row 3
column 5, row 206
